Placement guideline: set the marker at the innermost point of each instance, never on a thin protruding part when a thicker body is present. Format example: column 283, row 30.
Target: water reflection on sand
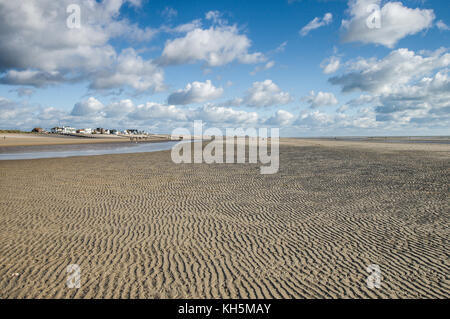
column 52, row 151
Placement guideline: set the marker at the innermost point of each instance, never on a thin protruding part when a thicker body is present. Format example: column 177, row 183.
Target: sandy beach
column 140, row 226
column 15, row 140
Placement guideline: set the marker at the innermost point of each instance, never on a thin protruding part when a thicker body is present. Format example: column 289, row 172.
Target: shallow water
column 55, row 151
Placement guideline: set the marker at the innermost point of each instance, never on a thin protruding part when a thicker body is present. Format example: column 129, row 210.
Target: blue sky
column 311, row 68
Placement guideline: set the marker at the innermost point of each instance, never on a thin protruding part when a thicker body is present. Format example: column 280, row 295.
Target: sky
column 307, row 67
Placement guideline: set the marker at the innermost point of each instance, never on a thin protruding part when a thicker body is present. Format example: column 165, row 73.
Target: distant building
column 56, row 129
column 133, row 132
column 37, row 130
column 68, row 130
column 84, row 131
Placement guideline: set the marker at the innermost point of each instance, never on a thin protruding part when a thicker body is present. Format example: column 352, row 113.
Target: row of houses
column 99, row 130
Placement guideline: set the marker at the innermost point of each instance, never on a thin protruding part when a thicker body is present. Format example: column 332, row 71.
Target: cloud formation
column 386, row 25
column 316, row 23
column 264, row 94
column 216, row 46
column 396, row 69
column 195, row 92
column 331, row 65
column 90, row 106
column 280, row 118
column 50, row 53
column 405, row 88
column 321, row 99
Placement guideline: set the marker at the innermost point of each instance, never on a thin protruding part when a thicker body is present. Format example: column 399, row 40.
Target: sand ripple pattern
column 140, row 226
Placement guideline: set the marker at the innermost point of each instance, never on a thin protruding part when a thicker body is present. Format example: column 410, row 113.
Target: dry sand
column 12, row 140
column 140, row 226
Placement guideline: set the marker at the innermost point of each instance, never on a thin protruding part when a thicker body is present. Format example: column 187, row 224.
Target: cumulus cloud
column 215, row 16
column 404, row 88
column 280, row 118
column 363, row 99
column 215, row 46
column 314, row 119
column 90, row 106
column 316, row 23
column 195, row 92
column 152, row 110
column 429, row 97
column 320, row 99
column 398, row 68
column 117, row 109
column 331, row 65
column 130, row 70
column 92, row 111
column 386, row 26
column 39, row 49
column 14, row 115
column 264, row 94
column 183, row 28
column 220, row 114
column 32, row 77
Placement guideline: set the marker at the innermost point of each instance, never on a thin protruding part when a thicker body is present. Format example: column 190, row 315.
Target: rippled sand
column 140, row 226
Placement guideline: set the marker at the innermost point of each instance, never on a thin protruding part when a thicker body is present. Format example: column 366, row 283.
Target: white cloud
column 396, row 22
column 215, row 46
column 342, row 108
column 281, row 118
column 131, row 71
column 195, row 92
column 90, row 106
column 215, row 17
column 152, row 110
column 321, row 99
column 31, row 77
column 39, row 49
column 405, row 88
column 266, row 93
column 281, row 47
column 183, row 28
column 264, row 67
column 314, row 119
column 442, row 26
column 316, row 23
column 429, row 97
column 363, row 99
column 331, row 65
column 117, row 109
column 220, row 114
column 169, row 13
column 398, row 68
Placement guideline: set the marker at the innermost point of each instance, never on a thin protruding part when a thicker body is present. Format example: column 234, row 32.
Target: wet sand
column 140, row 226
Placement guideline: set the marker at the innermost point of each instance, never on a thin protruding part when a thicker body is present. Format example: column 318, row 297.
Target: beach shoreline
column 8, row 140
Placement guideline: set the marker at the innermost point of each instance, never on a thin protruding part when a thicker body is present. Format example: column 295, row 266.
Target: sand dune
column 140, row 226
